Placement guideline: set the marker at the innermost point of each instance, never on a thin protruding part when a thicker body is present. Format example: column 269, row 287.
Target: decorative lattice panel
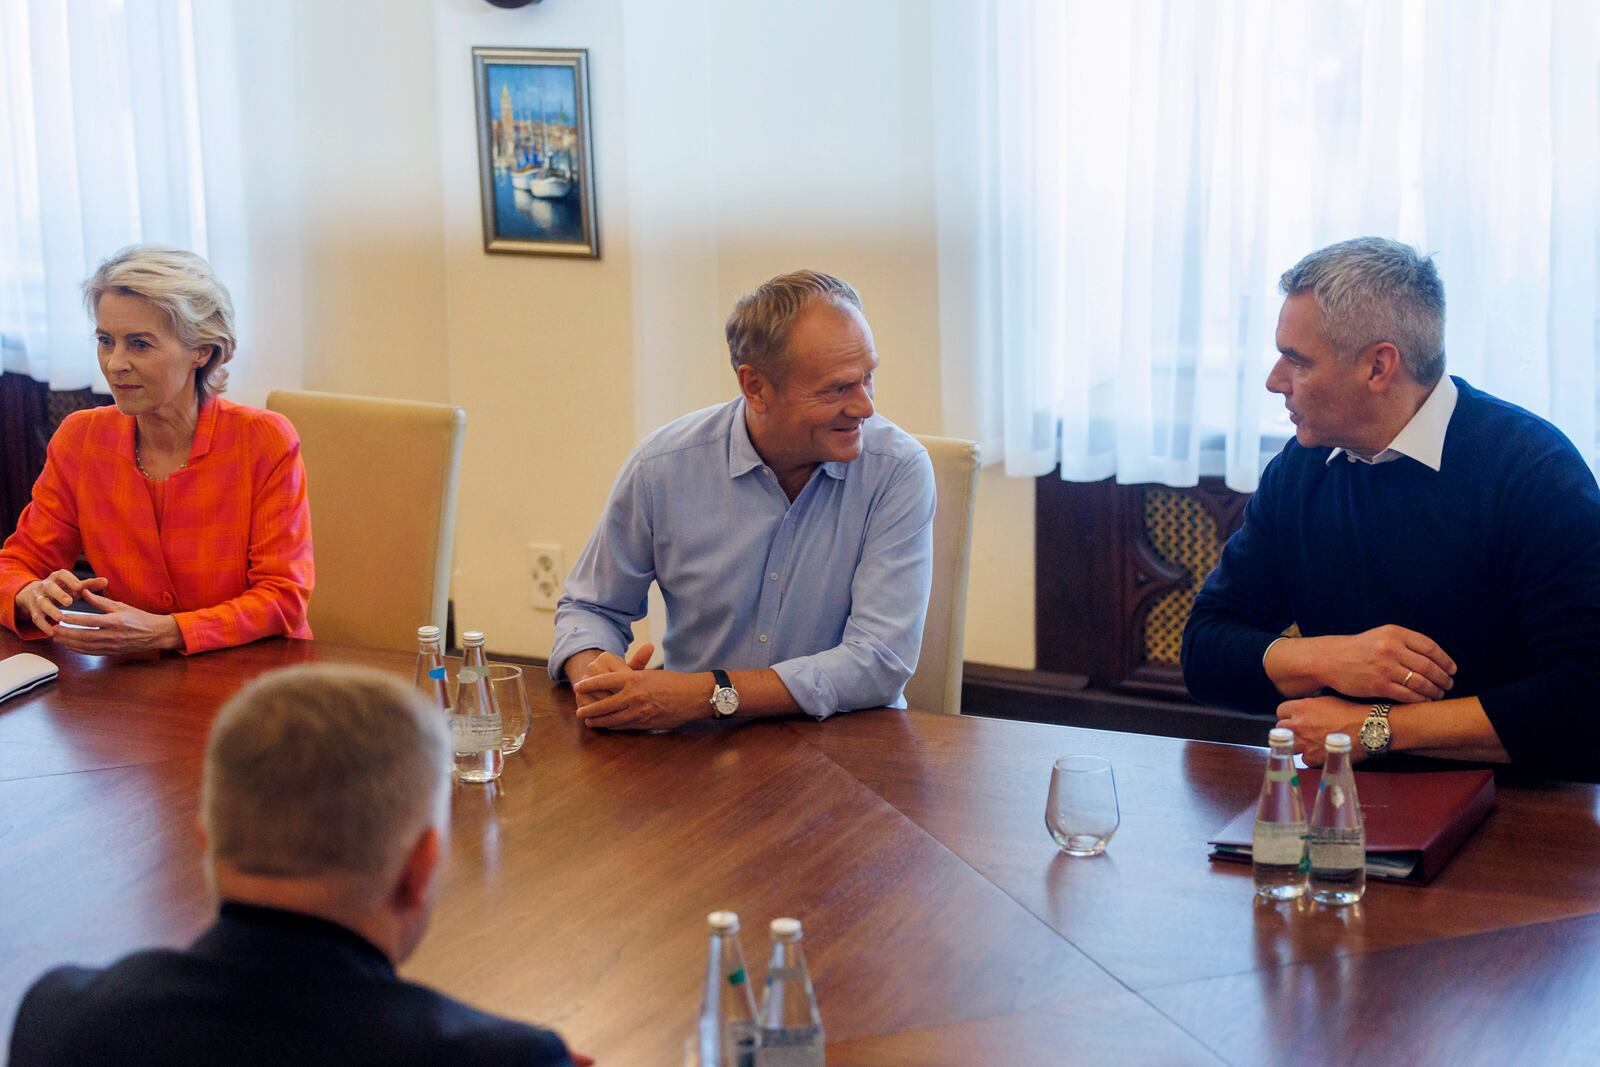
column 64, row 403
column 1184, row 534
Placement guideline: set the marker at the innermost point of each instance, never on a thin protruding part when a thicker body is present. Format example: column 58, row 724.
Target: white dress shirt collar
column 1423, row 437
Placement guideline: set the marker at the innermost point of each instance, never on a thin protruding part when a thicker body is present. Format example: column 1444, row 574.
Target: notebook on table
column 1415, row 821
column 22, row 672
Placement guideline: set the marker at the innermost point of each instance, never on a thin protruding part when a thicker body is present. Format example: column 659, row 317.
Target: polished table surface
column 942, row 925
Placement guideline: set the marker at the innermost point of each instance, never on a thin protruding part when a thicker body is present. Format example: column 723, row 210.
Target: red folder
column 1415, row 821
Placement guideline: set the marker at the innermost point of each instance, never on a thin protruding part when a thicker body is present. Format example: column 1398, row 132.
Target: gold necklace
column 138, row 461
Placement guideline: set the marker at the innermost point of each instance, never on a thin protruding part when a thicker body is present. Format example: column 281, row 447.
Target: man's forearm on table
column 762, row 694
column 1446, row 729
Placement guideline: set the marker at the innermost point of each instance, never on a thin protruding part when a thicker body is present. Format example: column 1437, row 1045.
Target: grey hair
column 312, row 771
column 1372, row 289
column 184, row 286
column 758, row 327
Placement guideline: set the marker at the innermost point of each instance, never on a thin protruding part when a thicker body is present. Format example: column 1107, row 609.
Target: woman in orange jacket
column 191, row 510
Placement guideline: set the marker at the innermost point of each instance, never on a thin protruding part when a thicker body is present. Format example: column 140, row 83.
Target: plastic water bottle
column 1338, row 836
column 1278, row 846
column 475, row 721
column 791, row 1029
column 727, row 1030
column 430, row 675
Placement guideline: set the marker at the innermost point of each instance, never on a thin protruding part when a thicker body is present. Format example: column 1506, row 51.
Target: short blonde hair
column 184, row 286
column 318, row 770
column 758, row 327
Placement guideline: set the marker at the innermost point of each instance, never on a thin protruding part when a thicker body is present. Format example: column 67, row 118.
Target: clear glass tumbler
column 512, row 697
column 1081, row 813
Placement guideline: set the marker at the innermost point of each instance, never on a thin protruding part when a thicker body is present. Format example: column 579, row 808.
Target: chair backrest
column 381, row 477
column 937, row 684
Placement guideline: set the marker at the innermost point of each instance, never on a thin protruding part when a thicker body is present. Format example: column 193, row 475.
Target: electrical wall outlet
column 546, row 565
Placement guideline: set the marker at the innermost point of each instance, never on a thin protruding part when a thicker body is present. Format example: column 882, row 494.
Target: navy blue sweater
column 1496, row 556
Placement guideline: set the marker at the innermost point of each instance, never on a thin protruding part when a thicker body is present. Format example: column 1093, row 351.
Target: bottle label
column 436, row 673
column 468, row 675
column 1284, row 776
column 742, row 1036
column 1278, row 844
column 475, row 733
column 737, row 977
column 1338, row 855
column 791, row 1037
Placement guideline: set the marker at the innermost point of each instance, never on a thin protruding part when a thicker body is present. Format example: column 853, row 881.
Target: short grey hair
column 184, row 286
column 1372, row 289
column 758, row 327
column 320, row 770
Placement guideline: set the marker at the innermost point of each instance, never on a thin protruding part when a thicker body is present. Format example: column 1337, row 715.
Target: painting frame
column 535, row 156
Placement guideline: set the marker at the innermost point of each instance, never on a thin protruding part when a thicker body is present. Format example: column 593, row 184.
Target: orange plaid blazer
column 231, row 560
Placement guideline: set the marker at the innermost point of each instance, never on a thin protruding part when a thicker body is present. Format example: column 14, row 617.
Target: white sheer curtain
column 1121, row 185
column 117, row 125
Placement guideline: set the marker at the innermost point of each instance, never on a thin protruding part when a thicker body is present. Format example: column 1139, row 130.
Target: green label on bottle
column 737, row 977
column 1282, row 776
column 1295, row 781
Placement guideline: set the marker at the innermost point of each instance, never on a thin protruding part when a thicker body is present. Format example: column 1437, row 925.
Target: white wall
column 372, row 253
column 732, row 141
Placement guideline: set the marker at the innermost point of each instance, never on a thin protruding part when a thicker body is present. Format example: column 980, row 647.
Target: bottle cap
column 428, row 633
column 786, row 929
column 1337, row 743
column 472, row 637
column 723, row 922
column 1280, row 736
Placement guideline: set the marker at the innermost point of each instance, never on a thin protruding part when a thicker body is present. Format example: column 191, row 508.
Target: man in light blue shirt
column 790, row 531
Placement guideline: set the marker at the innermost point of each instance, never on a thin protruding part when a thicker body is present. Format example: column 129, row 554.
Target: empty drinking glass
column 512, row 697
column 1081, row 813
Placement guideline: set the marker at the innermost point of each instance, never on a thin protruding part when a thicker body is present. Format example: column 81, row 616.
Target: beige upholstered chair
column 381, row 477
column 937, row 684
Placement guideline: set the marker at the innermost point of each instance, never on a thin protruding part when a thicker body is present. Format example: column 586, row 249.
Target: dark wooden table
column 942, row 924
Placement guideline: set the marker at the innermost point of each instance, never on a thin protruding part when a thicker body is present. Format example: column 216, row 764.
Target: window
column 1124, row 183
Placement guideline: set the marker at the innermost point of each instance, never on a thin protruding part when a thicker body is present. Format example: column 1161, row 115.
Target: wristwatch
column 724, row 697
column 1374, row 733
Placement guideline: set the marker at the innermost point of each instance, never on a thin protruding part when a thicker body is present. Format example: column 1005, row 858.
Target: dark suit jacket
column 262, row 987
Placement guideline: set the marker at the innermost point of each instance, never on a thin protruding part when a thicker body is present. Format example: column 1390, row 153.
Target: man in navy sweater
column 1438, row 548
column 325, row 806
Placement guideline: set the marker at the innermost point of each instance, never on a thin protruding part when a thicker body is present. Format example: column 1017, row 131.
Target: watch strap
column 722, row 679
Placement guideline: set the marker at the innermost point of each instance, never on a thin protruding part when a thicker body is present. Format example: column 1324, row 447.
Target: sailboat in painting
column 523, row 173
column 548, row 182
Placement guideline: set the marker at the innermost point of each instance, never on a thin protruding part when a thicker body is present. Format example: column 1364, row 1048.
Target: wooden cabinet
column 1117, row 568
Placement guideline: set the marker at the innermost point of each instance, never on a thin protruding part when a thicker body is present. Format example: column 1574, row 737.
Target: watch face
column 1375, row 733
column 725, row 701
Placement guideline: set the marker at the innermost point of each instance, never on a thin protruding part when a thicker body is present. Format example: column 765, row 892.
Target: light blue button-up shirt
column 830, row 591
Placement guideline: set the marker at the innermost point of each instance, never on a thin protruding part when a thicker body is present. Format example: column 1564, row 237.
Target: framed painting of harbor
column 534, row 158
